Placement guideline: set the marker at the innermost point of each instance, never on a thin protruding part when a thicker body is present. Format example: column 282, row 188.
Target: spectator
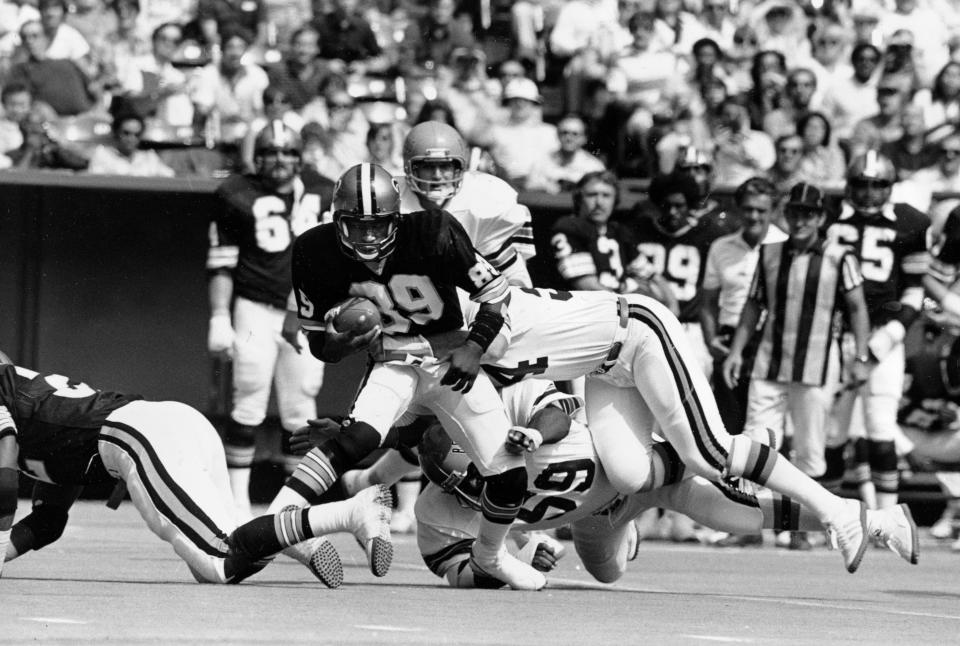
column 429, row 42
column 781, row 26
column 641, row 77
column 12, row 17
column 277, row 107
column 731, row 262
column 472, row 96
column 94, row 20
column 58, row 82
column 854, row 97
column 584, row 39
column 822, row 161
column 382, row 149
column 231, row 89
column 588, row 248
column 893, row 92
column 798, row 94
column 768, row 76
column 63, row 41
column 346, row 39
column 154, row 13
column 944, row 108
column 799, row 283
column 740, row 151
column 116, row 52
column 17, row 103
column 41, row 149
column 124, row 157
column 911, row 152
column 786, row 169
column 300, row 74
column 830, row 60
column 521, row 143
column 345, row 131
column 944, row 176
column 563, row 170
column 676, row 30
column 707, row 69
column 154, row 87
column 718, row 23
column 927, row 30
column 217, row 17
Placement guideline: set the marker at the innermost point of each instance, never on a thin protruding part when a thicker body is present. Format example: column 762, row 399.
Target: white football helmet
column 437, row 145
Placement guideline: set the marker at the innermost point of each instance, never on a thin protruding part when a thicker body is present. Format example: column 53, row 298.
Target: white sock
column 331, row 517
column 285, row 498
column 407, row 492
column 240, row 484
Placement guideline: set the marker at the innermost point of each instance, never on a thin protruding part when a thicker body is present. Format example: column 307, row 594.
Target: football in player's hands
column 356, row 315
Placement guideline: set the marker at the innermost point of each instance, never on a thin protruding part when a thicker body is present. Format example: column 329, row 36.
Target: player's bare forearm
column 553, row 424
column 859, row 319
column 746, row 327
column 220, row 290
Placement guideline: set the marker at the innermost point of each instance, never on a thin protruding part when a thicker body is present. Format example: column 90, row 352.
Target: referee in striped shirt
column 801, row 284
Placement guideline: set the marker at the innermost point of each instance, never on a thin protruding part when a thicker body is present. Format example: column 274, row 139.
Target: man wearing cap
column 800, row 283
column 522, row 142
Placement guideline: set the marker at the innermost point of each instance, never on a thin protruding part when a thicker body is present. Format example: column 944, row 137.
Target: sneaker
column 325, row 563
column 943, row 528
column 848, row 533
column 634, row 538
column 894, row 527
column 510, row 570
column 374, row 506
column 800, row 542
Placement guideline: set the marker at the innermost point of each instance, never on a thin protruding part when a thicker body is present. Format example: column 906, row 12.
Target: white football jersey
column 487, row 207
column 551, row 334
column 565, row 482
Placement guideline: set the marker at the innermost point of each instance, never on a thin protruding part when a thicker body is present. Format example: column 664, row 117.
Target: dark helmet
column 366, row 209
column 277, row 153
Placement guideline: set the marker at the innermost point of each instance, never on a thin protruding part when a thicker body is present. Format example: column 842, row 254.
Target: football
column 357, row 315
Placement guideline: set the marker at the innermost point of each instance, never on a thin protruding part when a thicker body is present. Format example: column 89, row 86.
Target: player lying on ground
column 640, row 375
column 409, row 267
column 567, row 485
column 65, row 435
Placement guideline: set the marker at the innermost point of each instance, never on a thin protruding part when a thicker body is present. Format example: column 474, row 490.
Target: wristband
column 485, row 328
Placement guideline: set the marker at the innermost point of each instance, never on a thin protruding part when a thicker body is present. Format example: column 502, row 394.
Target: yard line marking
column 396, row 629
column 717, row 638
column 53, row 620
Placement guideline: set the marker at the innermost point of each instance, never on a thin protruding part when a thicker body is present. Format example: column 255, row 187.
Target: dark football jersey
column 253, row 235
column 929, row 403
column 892, row 249
column 58, row 422
column 581, row 249
column 945, row 265
column 681, row 257
column 416, row 289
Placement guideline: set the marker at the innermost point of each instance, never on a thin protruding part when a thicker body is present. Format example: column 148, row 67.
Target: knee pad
column 750, row 460
column 355, row 441
column 237, row 434
column 44, row 524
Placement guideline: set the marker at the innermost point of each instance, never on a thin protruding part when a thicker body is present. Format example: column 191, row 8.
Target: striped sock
column 266, row 535
column 313, row 476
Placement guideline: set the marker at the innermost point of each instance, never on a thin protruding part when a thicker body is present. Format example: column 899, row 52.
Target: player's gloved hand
column 220, row 335
column 541, row 551
column 885, row 338
column 313, row 434
column 521, row 438
column 291, row 330
column 464, row 367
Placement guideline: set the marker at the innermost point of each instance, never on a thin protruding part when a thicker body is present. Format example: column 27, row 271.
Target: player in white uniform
column 65, row 435
column 640, row 379
column 251, row 243
column 435, row 163
column 567, row 484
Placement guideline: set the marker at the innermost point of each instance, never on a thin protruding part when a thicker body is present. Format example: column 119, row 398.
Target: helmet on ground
column 870, row 179
column 277, row 153
column 446, row 465
column 366, row 209
column 434, row 146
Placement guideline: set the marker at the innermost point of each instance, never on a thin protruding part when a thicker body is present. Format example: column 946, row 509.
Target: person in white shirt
column 125, row 157
column 520, row 144
column 731, row 262
column 854, row 98
column 562, row 170
column 65, row 41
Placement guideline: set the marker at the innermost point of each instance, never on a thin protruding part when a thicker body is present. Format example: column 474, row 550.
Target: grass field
column 109, row 580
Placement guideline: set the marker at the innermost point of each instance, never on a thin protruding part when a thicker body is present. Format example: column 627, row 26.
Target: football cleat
column 634, row 538
column 894, row 527
column 848, row 533
column 325, row 563
column 371, row 521
column 512, row 571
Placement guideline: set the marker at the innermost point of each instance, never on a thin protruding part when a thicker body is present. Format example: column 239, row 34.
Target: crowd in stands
column 546, row 90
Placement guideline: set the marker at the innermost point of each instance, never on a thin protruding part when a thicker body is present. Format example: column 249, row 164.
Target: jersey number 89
column 405, row 300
